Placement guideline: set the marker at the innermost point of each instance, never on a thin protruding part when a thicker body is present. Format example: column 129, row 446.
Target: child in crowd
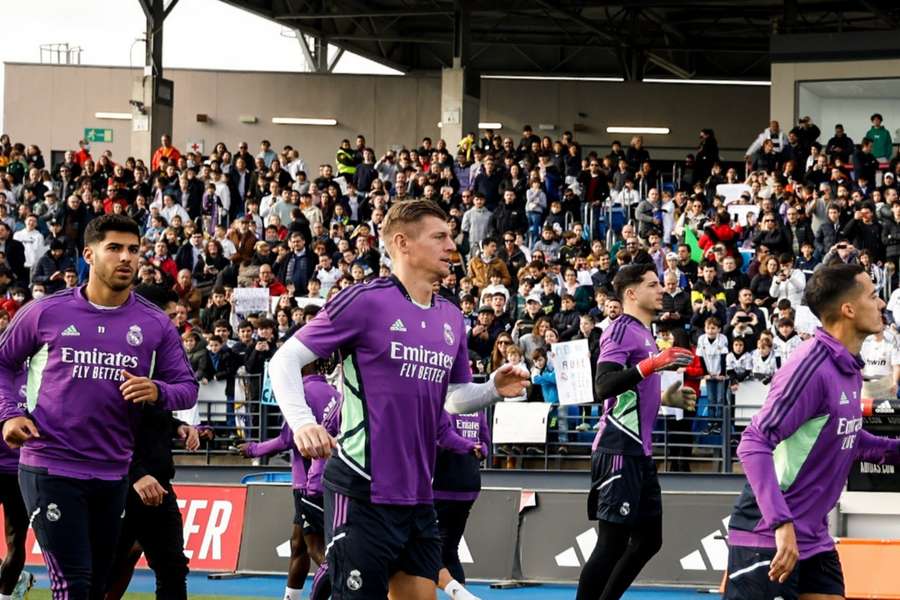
column 786, row 340
column 765, row 363
column 712, row 348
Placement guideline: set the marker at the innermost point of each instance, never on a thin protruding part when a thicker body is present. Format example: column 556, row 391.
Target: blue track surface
column 273, row 587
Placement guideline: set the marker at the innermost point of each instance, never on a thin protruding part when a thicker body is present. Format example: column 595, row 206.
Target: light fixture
column 249, row 119
column 303, row 121
column 554, row 78
column 644, row 130
column 546, row 127
column 710, row 81
column 490, row 125
column 120, row 116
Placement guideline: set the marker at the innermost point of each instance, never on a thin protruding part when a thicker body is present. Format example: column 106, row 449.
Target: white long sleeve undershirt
column 287, row 384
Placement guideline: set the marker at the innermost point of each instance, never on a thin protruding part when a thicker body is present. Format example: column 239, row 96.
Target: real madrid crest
column 135, row 336
column 448, row 334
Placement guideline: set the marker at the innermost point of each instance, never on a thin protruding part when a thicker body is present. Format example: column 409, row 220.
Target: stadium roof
column 700, row 39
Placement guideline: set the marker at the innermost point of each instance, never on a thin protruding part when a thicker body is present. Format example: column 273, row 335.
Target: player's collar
column 405, row 293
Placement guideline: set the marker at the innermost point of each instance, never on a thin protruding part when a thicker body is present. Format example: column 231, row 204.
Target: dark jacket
column 47, row 266
column 154, row 431
column 776, row 241
column 890, row 237
column 865, row 237
column 509, row 217
column 225, row 370
column 803, row 233
column 679, row 303
column 15, row 257
column 566, row 322
column 827, row 236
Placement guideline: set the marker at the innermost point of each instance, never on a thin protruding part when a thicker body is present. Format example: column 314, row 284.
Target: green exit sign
column 94, row 134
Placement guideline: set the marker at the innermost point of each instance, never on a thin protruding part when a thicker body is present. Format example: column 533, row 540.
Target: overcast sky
column 206, row 34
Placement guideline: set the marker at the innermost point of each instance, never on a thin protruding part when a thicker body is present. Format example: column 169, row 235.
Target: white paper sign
column 572, row 364
column 748, row 399
column 731, row 191
column 250, row 300
column 520, row 423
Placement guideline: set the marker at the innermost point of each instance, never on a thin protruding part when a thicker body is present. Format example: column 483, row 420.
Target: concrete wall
column 784, row 94
column 51, row 105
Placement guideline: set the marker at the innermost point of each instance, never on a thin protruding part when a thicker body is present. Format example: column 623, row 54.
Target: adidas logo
column 713, row 552
column 70, row 330
column 844, row 398
column 884, row 408
column 398, row 326
column 585, row 542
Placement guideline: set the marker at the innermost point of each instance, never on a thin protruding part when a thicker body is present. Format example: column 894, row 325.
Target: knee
column 649, row 543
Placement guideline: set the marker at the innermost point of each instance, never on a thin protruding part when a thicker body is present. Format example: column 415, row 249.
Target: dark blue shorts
column 311, row 510
column 368, row 543
column 624, row 489
column 748, row 575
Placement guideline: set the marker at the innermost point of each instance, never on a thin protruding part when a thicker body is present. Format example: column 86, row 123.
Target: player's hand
column 244, row 449
column 667, row 360
column 477, row 452
column 786, row 554
column 190, row 436
column 680, row 396
column 19, row 430
column 313, row 441
column 149, row 490
column 511, row 381
column 138, row 389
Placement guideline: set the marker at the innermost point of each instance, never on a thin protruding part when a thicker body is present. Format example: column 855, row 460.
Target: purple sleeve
column 612, row 352
column 448, row 439
column 323, row 335
column 783, row 412
column 877, row 449
column 278, row 444
column 462, row 370
column 173, row 375
column 332, row 420
column 484, row 433
column 17, row 344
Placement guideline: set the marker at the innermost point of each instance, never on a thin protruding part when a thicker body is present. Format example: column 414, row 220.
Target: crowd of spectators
column 541, row 227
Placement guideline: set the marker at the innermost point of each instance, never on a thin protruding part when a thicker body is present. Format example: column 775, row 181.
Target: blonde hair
column 407, row 212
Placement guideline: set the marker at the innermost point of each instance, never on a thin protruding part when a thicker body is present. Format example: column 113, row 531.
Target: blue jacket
column 547, row 380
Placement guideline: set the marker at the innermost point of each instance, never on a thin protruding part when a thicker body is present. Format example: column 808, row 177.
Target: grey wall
column 50, row 105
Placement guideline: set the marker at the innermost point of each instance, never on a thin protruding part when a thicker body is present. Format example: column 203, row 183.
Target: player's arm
column 278, row 444
column 464, row 396
column 18, row 342
column 876, row 449
column 172, row 385
column 613, row 377
column 793, row 400
column 449, row 439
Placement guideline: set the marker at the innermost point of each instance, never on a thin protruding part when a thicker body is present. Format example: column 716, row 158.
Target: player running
column 625, row 496
column 307, row 537
column 457, row 483
column 14, row 582
column 96, row 353
column 402, row 349
column 798, row 450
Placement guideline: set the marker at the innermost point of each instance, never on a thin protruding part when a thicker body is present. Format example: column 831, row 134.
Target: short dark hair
column 97, row 228
column 156, row 294
column 630, row 276
column 828, row 286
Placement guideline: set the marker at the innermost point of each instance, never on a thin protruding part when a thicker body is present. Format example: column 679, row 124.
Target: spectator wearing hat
column 52, row 266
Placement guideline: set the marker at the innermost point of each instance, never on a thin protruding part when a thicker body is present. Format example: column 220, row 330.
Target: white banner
column 520, row 423
column 250, row 300
column 748, row 399
column 572, row 364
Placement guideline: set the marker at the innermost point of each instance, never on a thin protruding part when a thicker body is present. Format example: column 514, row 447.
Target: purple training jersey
column 398, row 359
column 9, row 457
column 322, row 399
column 325, row 402
column 626, row 426
column 77, row 355
column 798, row 450
column 457, row 473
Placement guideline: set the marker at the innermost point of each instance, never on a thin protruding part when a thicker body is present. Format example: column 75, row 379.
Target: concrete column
column 152, row 96
column 459, row 107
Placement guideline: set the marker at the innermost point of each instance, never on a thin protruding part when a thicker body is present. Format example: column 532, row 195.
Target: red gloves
column 667, row 360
